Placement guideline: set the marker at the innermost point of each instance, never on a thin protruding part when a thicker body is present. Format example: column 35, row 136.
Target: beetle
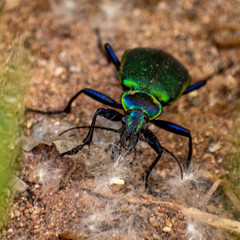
column 151, row 79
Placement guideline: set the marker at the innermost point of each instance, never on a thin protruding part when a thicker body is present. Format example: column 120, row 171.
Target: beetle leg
column 220, row 70
column 104, row 112
column 120, row 149
column 90, row 93
column 114, row 148
column 95, row 127
column 155, row 144
column 174, row 128
column 112, row 56
column 100, row 45
column 195, row 86
column 152, row 140
column 113, row 151
column 134, row 156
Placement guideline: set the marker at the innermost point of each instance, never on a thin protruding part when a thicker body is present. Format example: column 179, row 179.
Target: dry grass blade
column 203, row 217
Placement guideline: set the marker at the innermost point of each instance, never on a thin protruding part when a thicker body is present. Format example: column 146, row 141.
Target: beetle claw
column 74, row 150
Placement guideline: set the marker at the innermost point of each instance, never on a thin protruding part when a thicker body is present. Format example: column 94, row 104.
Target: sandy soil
column 90, row 196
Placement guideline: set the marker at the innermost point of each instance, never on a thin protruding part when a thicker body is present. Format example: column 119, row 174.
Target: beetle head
column 133, row 122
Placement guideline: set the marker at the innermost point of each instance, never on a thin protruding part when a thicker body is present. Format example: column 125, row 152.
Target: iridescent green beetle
column 151, row 79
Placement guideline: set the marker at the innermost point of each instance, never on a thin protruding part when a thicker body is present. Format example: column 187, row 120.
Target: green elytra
column 152, row 78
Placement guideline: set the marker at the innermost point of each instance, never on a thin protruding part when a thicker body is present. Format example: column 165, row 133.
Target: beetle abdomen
column 156, row 71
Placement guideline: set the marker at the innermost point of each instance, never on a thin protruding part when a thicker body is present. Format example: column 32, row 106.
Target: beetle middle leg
column 100, row 97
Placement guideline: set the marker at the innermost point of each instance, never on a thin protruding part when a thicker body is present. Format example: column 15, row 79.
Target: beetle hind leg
column 220, row 70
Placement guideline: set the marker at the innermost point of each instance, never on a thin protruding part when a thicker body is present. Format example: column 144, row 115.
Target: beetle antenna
column 97, row 127
column 175, row 160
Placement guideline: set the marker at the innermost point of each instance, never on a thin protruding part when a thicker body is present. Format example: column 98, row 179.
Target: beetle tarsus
column 73, row 151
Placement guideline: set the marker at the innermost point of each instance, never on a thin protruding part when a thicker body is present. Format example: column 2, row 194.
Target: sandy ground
column 89, row 195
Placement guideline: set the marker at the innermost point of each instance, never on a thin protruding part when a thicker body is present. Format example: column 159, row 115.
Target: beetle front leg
column 109, row 114
column 174, row 128
column 152, row 140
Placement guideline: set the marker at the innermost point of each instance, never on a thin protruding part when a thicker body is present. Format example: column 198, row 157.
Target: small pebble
column 167, row 229
column 214, row 147
column 18, row 184
column 20, row 225
column 29, row 205
column 193, row 94
column 168, row 223
column 26, row 211
column 36, row 211
column 34, row 218
column 37, row 230
column 117, row 181
column 17, row 213
column 59, row 71
column 10, row 230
